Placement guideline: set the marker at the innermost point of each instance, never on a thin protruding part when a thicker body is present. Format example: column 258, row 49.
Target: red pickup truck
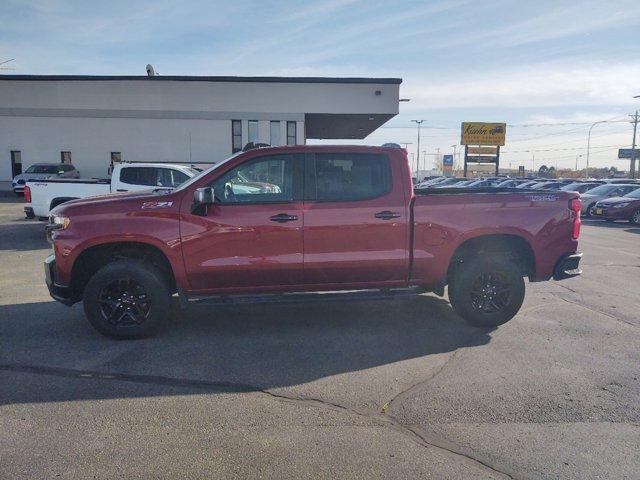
column 307, row 222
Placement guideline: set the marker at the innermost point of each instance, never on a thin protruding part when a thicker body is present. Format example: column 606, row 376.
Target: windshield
column 50, row 169
column 633, row 194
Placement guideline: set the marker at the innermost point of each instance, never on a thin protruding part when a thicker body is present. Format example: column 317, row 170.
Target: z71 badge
column 157, row 204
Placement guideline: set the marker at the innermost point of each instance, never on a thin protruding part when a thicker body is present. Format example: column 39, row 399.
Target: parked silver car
column 41, row 171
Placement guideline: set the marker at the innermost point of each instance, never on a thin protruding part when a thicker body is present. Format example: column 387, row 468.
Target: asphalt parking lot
column 399, row 389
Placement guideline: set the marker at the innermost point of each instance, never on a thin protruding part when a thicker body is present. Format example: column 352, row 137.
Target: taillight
column 27, row 194
column 575, row 205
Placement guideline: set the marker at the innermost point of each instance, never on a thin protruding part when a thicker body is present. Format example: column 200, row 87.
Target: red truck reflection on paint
column 307, row 223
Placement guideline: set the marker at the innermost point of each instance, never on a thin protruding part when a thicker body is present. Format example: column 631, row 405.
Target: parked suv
column 41, row 171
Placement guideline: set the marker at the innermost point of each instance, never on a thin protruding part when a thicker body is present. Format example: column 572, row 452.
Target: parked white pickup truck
column 43, row 195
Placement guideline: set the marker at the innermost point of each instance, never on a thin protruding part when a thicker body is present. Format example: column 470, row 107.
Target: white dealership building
column 90, row 121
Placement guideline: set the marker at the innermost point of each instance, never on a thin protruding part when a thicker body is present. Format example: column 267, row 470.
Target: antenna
column 150, row 70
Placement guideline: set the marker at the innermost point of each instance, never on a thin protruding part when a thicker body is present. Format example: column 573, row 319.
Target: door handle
column 121, row 190
column 283, row 218
column 387, row 215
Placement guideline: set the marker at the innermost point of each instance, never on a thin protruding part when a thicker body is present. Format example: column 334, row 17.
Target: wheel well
column 94, row 258
column 59, row 201
column 510, row 247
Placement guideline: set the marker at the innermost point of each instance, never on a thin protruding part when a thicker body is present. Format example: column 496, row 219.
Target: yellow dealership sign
column 478, row 133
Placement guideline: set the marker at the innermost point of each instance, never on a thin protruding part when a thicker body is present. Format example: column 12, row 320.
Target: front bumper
column 568, row 266
column 61, row 293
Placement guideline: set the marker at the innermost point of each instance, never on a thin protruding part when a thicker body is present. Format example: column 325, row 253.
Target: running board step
column 302, row 297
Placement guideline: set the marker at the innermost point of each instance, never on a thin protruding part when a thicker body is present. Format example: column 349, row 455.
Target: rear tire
column 127, row 299
column 487, row 292
column 635, row 218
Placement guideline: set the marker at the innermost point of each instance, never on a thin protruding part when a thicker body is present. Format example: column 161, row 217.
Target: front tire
column 127, row 299
column 590, row 212
column 486, row 292
column 635, row 218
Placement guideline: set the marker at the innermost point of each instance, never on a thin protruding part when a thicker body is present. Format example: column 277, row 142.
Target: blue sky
column 526, row 63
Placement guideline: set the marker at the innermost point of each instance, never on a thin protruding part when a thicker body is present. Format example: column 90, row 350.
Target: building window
column 291, row 133
column 274, row 133
column 65, row 157
column 236, row 136
column 253, row 131
column 16, row 162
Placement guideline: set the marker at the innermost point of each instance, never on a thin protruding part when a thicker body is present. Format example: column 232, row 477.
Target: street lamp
column 418, row 122
column 586, row 171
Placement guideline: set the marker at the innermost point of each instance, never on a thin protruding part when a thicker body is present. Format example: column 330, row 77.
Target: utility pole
column 418, row 122
column 632, row 173
column 533, row 163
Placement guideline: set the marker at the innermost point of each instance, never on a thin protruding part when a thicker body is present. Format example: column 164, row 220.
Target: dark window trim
column 310, row 180
column 233, row 148
column 295, row 132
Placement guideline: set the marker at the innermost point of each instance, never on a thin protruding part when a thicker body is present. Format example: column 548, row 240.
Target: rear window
column 348, row 177
column 152, row 176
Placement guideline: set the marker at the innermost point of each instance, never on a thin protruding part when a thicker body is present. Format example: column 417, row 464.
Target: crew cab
column 307, row 222
column 43, row 195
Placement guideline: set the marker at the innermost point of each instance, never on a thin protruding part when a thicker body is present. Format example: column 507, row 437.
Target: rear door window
column 139, row 176
column 347, row 177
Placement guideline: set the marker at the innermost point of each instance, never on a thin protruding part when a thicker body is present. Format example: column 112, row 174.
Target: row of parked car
column 609, row 199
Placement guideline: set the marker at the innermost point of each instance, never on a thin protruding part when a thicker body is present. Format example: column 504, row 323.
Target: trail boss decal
column 156, row 205
column 542, row 198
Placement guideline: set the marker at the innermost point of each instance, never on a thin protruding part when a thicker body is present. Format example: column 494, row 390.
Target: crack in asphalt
column 594, row 310
column 398, row 398
column 412, row 433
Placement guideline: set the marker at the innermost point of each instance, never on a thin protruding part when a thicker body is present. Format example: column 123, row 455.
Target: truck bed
column 445, row 218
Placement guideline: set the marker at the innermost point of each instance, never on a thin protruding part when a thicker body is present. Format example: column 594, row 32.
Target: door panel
column 251, row 237
column 237, row 246
column 349, row 237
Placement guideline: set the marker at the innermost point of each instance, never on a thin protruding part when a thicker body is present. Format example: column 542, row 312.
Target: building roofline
column 189, row 78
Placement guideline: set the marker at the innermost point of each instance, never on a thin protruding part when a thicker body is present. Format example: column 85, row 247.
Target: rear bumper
column 568, row 266
column 61, row 293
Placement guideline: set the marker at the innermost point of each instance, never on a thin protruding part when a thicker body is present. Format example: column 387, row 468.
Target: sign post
column 486, row 138
column 447, row 165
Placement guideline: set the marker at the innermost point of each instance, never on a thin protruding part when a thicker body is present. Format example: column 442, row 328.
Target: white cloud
column 541, row 85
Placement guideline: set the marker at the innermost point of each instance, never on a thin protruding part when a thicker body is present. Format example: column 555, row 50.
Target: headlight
column 620, row 205
column 59, row 222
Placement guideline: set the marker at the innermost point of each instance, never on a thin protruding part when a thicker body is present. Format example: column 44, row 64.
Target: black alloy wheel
column 124, row 302
column 490, row 292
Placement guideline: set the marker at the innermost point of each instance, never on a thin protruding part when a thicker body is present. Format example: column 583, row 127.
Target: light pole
column 586, row 170
column 577, row 157
column 633, row 145
column 453, row 167
column 418, row 122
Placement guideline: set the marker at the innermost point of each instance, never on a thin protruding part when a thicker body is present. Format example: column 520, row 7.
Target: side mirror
column 61, row 172
column 203, row 196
